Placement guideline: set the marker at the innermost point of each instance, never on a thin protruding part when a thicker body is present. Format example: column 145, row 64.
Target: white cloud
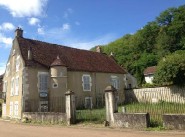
column 88, row 44
column 7, row 41
column 66, row 26
column 22, row 8
column 2, row 68
column 41, row 31
column 33, row 21
column 7, row 26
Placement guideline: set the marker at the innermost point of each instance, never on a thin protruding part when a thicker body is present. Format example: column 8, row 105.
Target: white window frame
column 91, row 104
column 39, row 84
column 18, row 63
column 11, row 108
column 89, row 82
column 5, row 86
column 115, row 82
column 16, row 83
column 12, row 87
column 7, row 69
column 16, row 108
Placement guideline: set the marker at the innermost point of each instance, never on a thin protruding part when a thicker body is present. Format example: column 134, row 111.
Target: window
column 12, row 87
column 13, row 52
column 17, row 63
column 115, row 82
column 43, row 106
column 88, row 102
column 55, row 85
column 11, row 108
column 16, row 82
column 43, row 81
column 5, row 86
column 16, row 108
column 7, row 69
column 86, row 80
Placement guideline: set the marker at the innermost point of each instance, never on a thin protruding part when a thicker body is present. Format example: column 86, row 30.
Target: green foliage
column 171, row 70
column 147, row 46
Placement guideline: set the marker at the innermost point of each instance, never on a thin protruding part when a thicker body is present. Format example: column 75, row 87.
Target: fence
column 55, row 104
column 156, row 110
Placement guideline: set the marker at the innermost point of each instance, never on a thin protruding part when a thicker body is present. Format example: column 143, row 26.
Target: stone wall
column 168, row 94
column 131, row 120
column 174, row 121
column 46, row 117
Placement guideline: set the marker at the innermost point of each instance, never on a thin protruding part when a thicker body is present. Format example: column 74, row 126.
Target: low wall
column 173, row 121
column 131, row 120
column 168, row 94
column 50, row 117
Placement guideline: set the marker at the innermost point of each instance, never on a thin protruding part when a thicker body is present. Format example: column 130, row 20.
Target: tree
column 171, row 70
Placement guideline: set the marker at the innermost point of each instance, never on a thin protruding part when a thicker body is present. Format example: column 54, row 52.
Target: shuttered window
column 43, row 82
column 86, row 82
column 16, row 108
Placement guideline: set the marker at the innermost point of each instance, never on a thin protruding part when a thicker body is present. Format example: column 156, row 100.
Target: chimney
column 98, row 49
column 30, row 54
column 18, row 32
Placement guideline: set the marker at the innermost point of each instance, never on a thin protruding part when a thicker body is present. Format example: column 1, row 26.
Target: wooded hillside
column 152, row 43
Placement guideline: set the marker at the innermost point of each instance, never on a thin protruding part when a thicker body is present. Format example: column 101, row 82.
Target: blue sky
column 76, row 23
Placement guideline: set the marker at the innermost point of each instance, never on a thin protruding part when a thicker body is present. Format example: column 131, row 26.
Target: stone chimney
column 98, row 49
column 30, row 54
column 18, row 32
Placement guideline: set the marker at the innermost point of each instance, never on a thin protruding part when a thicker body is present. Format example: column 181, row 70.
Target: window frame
column 89, row 82
column 16, row 108
column 11, row 108
column 12, row 90
column 40, row 90
column 16, row 84
column 115, row 82
column 17, row 64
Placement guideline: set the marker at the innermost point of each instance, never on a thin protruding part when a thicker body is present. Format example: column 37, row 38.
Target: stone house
column 149, row 74
column 38, row 73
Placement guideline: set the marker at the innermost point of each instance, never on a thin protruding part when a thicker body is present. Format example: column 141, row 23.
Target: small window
column 16, row 108
column 16, row 86
column 12, row 87
column 88, row 102
column 115, row 82
column 5, row 86
column 17, row 63
column 86, row 82
column 13, row 52
column 43, row 106
column 7, row 69
column 55, row 85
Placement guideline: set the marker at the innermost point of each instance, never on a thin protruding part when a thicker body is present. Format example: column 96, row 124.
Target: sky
column 80, row 24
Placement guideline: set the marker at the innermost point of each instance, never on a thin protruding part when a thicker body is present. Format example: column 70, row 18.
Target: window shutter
column 43, row 82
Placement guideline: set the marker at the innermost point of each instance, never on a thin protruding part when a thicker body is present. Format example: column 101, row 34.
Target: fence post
column 70, row 107
column 110, row 103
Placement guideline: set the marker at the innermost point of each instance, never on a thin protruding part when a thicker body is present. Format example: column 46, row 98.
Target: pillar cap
column 110, row 89
column 69, row 92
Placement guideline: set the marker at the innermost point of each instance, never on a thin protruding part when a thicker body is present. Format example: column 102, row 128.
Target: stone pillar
column 111, row 103
column 70, row 107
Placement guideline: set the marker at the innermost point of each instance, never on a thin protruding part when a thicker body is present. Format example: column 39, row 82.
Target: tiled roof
column 1, row 83
column 75, row 59
column 58, row 62
column 150, row 70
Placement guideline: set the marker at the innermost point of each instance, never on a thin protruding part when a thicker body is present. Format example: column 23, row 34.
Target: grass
column 96, row 116
column 156, row 110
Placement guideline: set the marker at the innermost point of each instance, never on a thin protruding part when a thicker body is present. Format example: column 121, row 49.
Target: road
column 9, row 129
